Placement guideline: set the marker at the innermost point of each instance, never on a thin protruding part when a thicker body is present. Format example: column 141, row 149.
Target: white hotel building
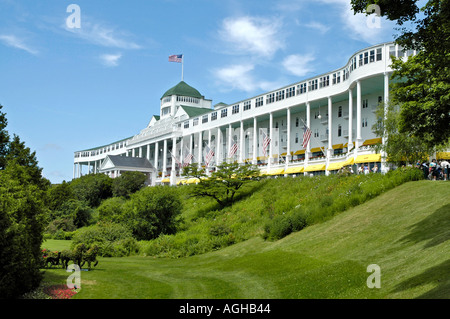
column 338, row 106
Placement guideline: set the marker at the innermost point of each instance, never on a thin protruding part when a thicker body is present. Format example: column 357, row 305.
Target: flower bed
column 59, row 292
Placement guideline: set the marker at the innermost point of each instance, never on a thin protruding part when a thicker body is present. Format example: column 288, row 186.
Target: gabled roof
column 192, row 111
column 183, row 89
column 128, row 162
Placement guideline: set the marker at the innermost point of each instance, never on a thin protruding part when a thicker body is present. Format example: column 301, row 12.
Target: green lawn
column 405, row 231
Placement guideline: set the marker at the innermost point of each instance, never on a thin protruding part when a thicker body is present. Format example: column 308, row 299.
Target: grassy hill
column 405, row 231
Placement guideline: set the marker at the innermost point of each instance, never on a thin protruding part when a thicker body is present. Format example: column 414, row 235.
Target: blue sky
column 67, row 89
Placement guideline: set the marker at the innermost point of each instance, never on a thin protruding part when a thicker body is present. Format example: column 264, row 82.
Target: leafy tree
column 399, row 147
column 21, row 227
column 152, row 211
column 224, row 184
column 58, row 194
column 111, row 209
column 92, row 188
column 128, row 183
column 4, row 139
column 422, row 87
column 22, row 211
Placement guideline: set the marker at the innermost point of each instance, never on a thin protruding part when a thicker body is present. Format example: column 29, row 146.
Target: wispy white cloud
column 255, row 36
column 298, row 64
column 322, row 28
column 110, row 60
column 18, row 43
column 103, row 35
column 360, row 26
column 240, row 77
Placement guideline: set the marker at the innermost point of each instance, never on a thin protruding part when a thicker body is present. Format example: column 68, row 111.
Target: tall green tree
column 22, row 211
column 92, row 188
column 4, row 138
column 422, row 83
column 128, row 183
column 224, row 184
column 400, row 147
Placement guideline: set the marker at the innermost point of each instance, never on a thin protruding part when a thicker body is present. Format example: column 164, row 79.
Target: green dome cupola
column 183, row 89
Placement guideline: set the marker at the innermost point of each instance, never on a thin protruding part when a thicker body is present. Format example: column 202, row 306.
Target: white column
column 95, row 167
column 230, row 139
column 218, row 151
column 209, row 145
column 88, row 168
column 74, row 170
column 174, row 152
column 358, row 115
column 288, row 142
column 140, row 151
column 255, row 141
column 156, row 157
column 200, row 146
column 190, row 144
column 164, row 159
column 308, row 124
column 182, row 155
column 241, row 143
column 330, row 132
column 384, row 167
column 350, row 118
column 148, row 152
column 271, row 140
column 133, row 152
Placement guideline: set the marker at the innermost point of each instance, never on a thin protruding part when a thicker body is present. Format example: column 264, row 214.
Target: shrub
column 128, row 183
column 113, row 240
column 152, row 211
column 111, row 209
column 92, row 188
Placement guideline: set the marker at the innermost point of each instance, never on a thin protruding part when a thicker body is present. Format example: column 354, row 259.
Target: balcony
column 324, row 137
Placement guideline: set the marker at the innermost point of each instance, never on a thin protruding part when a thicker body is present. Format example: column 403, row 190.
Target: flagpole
column 182, row 67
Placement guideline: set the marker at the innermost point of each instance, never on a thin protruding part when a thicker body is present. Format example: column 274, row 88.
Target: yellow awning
column 284, row 154
column 192, row 180
column 346, row 144
column 294, row 170
column 335, row 166
column 338, row 146
column 443, row 155
column 349, row 161
column 275, row 155
column 314, row 168
column 166, row 180
column 261, row 158
column 372, row 141
column 368, row 158
column 299, row 152
column 317, row 149
column 182, row 181
column 277, row 171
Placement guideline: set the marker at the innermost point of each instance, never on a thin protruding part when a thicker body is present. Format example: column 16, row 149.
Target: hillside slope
column 405, row 231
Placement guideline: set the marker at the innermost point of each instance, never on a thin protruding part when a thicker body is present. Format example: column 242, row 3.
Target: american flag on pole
column 266, row 142
column 306, row 136
column 209, row 155
column 187, row 159
column 176, row 58
column 233, row 149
